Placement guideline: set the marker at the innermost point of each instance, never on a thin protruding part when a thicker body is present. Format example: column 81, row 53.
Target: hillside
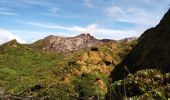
column 29, row 70
column 81, row 67
column 152, row 51
column 144, row 73
column 84, row 50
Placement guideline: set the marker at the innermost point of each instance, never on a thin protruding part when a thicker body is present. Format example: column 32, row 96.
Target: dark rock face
column 70, row 44
column 151, row 52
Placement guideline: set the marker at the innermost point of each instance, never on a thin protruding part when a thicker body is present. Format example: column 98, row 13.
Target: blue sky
column 30, row 20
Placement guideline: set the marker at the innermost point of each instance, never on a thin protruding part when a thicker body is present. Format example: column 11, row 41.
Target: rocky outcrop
column 70, row 44
column 151, row 52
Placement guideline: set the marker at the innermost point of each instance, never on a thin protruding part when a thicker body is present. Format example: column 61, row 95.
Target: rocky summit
column 70, row 44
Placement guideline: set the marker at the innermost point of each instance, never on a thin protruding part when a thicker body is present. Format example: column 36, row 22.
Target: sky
column 30, row 20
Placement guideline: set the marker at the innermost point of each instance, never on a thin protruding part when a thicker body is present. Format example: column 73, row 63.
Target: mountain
column 59, row 67
column 151, row 52
column 79, row 67
column 68, row 44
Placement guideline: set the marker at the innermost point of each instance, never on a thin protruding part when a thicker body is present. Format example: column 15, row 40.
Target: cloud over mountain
column 6, row 35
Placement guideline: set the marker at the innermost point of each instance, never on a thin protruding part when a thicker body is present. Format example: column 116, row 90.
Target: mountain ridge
column 58, row 66
column 62, row 44
column 69, row 44
column 151, row 52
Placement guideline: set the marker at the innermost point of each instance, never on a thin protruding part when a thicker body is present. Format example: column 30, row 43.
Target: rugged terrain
column 68, row 44
column 79, row 67
column 41, row 70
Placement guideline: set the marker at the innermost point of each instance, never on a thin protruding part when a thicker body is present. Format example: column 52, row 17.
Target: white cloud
column 133, row 15
column 32, row 36
column 93, row 29
column 6, row 35
column 54, row 26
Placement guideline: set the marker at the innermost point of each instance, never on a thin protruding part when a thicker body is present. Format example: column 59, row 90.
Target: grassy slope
column 21, row 67
column 26, row 70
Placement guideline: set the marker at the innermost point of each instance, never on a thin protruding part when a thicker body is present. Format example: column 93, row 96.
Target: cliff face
column 151, row 52
column 69, row 44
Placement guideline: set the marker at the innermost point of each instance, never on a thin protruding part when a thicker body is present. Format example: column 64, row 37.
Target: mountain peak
column 11, row 44
column 69, row 44
column 85, row 35
column 14, row 41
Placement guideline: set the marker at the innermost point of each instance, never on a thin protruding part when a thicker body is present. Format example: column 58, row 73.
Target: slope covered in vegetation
column 29, row 71
column 145, row 71
column 139, row 68
column 147, row 84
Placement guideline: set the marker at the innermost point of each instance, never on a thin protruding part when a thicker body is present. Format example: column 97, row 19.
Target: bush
column 85, row 86
column 150, row 82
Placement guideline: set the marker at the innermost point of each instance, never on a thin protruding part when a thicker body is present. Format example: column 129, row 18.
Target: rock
column 69, row 44
column 14, row 46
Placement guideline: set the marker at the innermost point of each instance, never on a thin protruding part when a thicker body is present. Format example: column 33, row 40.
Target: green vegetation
column 28, row 70
column 141, row 73
column 148, row 84
column 21, row 67
column 91, row 84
